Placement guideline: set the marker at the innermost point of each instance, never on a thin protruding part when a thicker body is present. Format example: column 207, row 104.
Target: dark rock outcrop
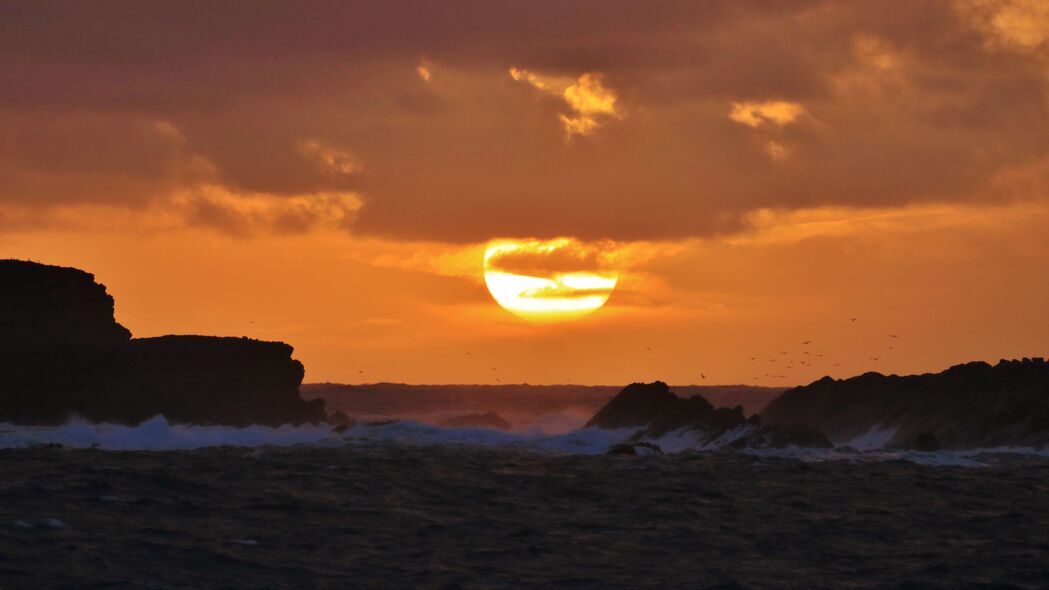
column 775, row 436
column 638, row 448
column 972, row 405
column 53, row 305
column 655, row 410
column 482, row 420
column 62, row 354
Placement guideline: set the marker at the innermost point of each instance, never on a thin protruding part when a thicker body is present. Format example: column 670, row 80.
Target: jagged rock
column 483, row 420
column 63, row 354
column 656, row 408
column 971, row 405
column 925, row 441
column 638, row 448
column 780, row 437
column 339, row 419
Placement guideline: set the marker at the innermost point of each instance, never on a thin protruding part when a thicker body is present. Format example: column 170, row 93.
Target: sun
column 548, row 280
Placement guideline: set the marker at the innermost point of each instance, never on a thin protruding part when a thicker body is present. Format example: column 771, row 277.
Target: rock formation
column 972, row 405
column 62, row 354
column 654, row 411
column 659, row 410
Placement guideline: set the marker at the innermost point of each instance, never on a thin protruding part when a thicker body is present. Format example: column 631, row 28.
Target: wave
column 157, row 434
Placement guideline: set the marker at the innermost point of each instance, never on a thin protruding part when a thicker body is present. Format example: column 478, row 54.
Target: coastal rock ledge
column 63, row 355
column 654, row 411
column 968, row 406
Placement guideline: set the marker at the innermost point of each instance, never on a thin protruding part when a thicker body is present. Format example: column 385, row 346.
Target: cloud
column 424, row 71
column 1018, row 25
column 251, row 214
column 772, row 112
column 332, row 160
column 544, row 257
column 589, row 102
column 682, row 120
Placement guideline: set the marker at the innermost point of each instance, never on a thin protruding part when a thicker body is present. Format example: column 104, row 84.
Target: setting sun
column 551, row 280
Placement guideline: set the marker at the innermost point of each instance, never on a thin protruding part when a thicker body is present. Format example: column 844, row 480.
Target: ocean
column 408, row 505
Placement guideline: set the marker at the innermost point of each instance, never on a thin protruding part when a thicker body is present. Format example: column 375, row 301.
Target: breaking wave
column 157, row 434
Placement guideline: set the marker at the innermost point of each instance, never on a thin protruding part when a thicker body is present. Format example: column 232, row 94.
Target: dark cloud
column 130, row 102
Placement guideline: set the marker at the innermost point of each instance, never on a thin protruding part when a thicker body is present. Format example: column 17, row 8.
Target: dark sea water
column 389, row 515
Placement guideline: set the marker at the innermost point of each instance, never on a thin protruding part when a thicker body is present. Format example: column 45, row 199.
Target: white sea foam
column 875, row 438
column 158, row 434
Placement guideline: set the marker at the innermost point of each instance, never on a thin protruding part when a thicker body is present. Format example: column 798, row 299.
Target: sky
column 749, row 175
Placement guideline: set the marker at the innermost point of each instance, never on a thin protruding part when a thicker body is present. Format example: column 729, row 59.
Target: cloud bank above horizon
column 460, row 121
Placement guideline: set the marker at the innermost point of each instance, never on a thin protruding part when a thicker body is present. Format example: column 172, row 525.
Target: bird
column 702, row 376
column 891, row 347
column 807, row 353
column 753, row 358
column 648, row 348
column 494, row 369
column 853, row 319
column 821, row 355
column 359, row 372
column 468, row 353
column 893, row 336
column 874, row 358
column 499, row 380
column 807, row 342
column 784, row 353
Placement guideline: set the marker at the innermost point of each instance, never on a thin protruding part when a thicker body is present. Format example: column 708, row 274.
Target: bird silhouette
column 874, row 358
column 891, row 347
column 784, row 353
column 648, row 348
column 893, row 336
column 853, row 319
column 702, row 376
column 468, row 353
column 807, row 342
column 494, row 369
column 753, row 358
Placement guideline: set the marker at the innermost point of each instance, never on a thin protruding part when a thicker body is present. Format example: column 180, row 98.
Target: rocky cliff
column 654, row 410
column 972, row 405
column 62, row 354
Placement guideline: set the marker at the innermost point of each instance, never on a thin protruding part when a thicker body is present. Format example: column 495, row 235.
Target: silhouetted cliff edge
column 655, row 410
column 62, row 354
column 972, row 405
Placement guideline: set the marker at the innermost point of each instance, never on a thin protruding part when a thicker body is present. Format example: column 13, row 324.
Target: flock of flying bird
column 792, row 364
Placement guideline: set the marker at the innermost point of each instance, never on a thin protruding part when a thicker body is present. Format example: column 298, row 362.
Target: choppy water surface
column 381, row 514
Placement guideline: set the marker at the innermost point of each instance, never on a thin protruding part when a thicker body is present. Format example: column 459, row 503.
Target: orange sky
column 755, row 173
